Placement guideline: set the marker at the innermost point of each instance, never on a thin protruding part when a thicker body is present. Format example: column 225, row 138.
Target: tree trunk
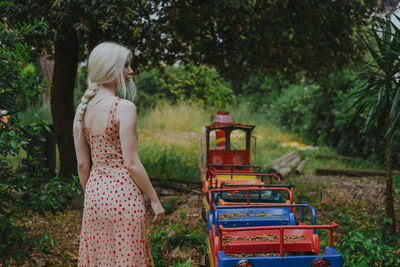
column 48, row 70
column 389, row 182
column 62, row 99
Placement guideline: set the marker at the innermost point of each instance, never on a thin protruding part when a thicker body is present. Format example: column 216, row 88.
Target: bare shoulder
column 126, row 109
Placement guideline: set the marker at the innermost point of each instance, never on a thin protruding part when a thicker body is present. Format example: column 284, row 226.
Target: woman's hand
column 158, row 212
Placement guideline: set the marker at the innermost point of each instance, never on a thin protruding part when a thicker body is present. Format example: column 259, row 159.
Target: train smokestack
column 223, row 117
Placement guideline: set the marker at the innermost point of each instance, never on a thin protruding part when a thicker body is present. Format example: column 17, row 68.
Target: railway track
column 177, row 185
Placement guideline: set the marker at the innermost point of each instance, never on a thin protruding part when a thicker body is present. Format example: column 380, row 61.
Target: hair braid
column 81, row 109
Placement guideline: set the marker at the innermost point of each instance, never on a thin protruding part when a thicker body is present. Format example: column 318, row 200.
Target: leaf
column 396, row 180
column 46, row 235
column 395, row 103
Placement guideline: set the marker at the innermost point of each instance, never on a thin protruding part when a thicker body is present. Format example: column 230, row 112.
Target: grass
column 178, row 118
column 169, row 138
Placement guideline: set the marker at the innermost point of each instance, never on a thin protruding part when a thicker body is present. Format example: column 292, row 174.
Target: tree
column 75, row 27
column 276, row 37
column 237, row 37
column 380, row 94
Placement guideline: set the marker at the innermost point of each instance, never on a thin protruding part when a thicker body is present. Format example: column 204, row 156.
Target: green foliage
column 29, row 189
column 34, row 116
column 187, row 237
column 157, row 247
column 295, row 108
column 80, row 85
column 168, row 161
column 397, row 185
column 239, row 37
column 162, row 32
column 262, row 91
column 13, row 241
column 24, row 197
column 183, row 264
column 169, row 205
column 19, row 84
column 346, row 217
column 370, row 247
column 176, row 236
column 379, row 95
column 45, row 243
column 182, row 83
column 323, row 115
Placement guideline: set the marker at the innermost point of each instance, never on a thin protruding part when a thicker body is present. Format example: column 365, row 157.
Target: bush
column 185, row 82
column 157, row 247
column 176, row 236
column 322, row 113
column 187, row 237
column 370, row 247
column 30, row 188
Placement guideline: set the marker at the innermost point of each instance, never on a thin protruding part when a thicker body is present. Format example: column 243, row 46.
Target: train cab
column 228, row 150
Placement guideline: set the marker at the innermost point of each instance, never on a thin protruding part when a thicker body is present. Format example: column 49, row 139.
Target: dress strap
column 114, row 110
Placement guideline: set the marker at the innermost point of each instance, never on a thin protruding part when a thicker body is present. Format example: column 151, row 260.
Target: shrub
column 184, row 82
column 30, row 188
column 187, row 237
column 323, row 115
column 370, row 247
column 157, row 247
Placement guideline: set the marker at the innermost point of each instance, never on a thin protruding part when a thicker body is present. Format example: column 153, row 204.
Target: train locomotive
column 250, row 215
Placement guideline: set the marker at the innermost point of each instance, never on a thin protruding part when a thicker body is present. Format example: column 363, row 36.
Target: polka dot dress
column 113, row 225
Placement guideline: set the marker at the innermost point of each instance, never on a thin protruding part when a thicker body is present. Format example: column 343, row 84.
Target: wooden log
column 286, row 161
column 278, row 161
column 301, row 166
column 290, row 166
column 353, row 172
column 324, row 156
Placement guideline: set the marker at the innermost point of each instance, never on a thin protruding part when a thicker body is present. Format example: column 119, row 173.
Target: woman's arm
column 128, row 135
column 82, row 151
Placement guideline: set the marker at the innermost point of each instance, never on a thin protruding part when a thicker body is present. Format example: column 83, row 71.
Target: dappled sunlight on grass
column 169, row 140
column 181, row 117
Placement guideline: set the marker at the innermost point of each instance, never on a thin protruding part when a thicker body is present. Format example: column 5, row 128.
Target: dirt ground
column 64, row 229
column 351, row 202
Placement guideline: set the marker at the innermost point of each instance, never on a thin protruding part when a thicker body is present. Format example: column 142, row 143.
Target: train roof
column 229, row 125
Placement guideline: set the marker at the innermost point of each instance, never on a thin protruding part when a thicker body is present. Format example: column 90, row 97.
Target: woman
column 113, row 225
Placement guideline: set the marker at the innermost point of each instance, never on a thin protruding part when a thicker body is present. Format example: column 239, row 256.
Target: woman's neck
column 110, row 88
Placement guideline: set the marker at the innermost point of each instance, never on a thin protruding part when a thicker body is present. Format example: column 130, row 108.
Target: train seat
column 263, row 241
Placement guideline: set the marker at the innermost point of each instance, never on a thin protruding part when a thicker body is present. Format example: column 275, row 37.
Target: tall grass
column 169, row 139
column 182, row 117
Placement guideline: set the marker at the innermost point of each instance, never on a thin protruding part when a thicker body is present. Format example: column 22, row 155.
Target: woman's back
column 97, row 114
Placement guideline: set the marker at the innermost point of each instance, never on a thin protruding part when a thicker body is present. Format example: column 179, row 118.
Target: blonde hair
column 106, row 64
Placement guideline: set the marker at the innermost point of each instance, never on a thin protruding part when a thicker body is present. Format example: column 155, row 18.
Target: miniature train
column 250, row 216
